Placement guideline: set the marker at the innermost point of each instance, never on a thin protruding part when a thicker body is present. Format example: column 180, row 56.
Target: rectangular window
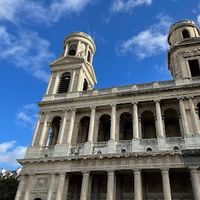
column 194, row 67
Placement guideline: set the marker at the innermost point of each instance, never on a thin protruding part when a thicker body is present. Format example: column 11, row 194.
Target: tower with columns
column 138, row 142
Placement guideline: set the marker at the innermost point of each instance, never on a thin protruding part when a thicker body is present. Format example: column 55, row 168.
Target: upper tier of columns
column 160, row 126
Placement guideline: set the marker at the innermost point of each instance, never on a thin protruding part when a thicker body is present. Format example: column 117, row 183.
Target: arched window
column 148, row 125
column 54, row 131
column 89, row 57
column 172, row 127
column 185, row 34
column 85, row 85
column 104, row 128
column 72, row 49
column 37, row 199
column 126, row 127
column 83, row 129
column 64, row 83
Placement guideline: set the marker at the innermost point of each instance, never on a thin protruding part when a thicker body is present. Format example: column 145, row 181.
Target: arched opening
column 185, row 34
column 72, row 49
column 126, row 127
column 198, row 109
column 89, row 57
column 148, row 125
column 37, row 199
column 64, row 83
column 83, row 129
column 172, row 127
column 104, row 128
column 85, row 85
column 54, row 131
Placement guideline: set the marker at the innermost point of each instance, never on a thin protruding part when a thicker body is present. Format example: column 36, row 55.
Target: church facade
column 138, row 142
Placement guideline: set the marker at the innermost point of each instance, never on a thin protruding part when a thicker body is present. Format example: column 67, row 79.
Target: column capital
column 92, row 107
column 134, row 102
column 181, row 98
column 164, row 170
column 113, row 104
column 86, row 173
column 72, row 109
column 157, row 100
column 137, row 171
column 111, row 171
column 194, row 168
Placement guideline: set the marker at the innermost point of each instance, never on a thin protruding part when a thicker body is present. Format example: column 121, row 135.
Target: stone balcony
column 141, row 146
column 130, row 88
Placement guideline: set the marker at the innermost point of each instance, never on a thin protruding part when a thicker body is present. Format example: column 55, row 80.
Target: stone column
column 72, row 80
column 44, row 132
column 91, row 128
column 111, row 186
column 62, row 129
column 36, row 131
column 55, row 87
column 113, row 122
column 30, row 184
column 159, row 119
column 61, row 187
column 20, row 187
column 195, row 183
column 65, row 192
column 49, row 85
column 194, row 116
column 85, row 186
column 135, row 122
column 183, row 117
column 80, row 77
column 71, row 126
column 51, row 187
column 137, row 185
column 66, row 49
column 166, row 184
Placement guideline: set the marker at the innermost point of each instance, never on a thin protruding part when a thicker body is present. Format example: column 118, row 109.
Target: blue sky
column 130, row 36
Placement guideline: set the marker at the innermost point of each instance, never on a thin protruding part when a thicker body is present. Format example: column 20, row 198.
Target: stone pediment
column 67, row 60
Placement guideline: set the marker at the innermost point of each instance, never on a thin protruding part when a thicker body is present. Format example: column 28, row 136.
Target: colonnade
column 136, row 132
column 63, row 184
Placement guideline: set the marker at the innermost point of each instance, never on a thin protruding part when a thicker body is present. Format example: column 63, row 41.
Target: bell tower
column 184, row 50
column 73, row 71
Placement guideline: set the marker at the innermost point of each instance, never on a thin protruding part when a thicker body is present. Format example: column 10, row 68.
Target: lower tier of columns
column 160, row 184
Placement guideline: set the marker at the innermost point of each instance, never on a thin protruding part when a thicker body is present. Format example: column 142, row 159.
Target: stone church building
column 136, row 142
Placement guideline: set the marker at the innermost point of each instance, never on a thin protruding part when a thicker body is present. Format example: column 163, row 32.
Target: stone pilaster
column 49, row 85
column 71, row 126
column 113, row 122
column 195, row 183
column 72, row 80
column 51, row 187
column 36, row 131
column 21, row 187
column 135, row 121
column 111, row 186
column 137, row 185
column 194, row 116
column 159, row 119
column 55, row 87
column 62, row 129
column 85, row 186
column 30, row 184
column 91, row 128
column 183, row 117
column 44, row 133
column 61, row 187
column 166, row 184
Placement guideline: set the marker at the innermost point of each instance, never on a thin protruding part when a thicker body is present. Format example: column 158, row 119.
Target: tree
column 8, row 188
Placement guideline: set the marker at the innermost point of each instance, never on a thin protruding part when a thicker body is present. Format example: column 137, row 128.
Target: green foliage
column 8, row 188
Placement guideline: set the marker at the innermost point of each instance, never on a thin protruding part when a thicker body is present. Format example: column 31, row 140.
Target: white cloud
column 149, row 42
column 26, row 51
column 128, row 5
column 27, row 115
column 38, row 10
column 9, row 152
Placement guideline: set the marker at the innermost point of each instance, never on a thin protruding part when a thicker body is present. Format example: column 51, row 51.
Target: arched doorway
column 104, row 128
column 83, row 129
